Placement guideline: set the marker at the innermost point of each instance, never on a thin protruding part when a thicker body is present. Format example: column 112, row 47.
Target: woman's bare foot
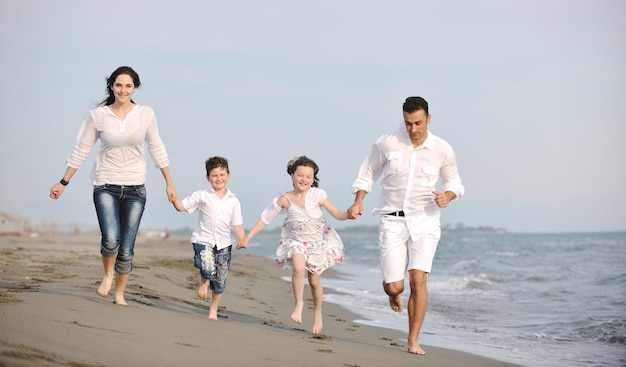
column 396, row 303
column 105, row 286
column 297, row 313
column 317, row 322
column 203, row 290
column 415, row 349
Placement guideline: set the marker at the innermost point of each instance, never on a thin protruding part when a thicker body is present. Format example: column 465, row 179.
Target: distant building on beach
column 16, row 225
column 13, row 225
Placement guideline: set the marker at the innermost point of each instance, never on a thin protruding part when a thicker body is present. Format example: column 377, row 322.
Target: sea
column 534, row 299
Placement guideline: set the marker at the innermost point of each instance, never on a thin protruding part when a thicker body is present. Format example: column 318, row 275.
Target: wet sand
column 51, row 315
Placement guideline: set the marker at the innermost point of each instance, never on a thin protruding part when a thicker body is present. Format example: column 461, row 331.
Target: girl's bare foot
column 317, row 322
column 297, row 313
column 415, row 349
column 396, row 303
column 105, row 286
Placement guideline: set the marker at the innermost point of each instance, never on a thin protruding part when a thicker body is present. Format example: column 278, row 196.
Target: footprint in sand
column 321, row 337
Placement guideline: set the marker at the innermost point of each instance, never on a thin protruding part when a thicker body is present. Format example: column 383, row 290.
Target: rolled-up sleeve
column 237, row 217
column 450, row 179
column 271, row 212
column 87, row 137
column 156, row 147
column 370, row 170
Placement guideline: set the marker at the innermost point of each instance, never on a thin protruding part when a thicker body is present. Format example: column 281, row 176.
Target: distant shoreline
column 373, row 229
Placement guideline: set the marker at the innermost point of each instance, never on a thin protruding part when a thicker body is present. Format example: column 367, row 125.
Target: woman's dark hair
column 306, row 162
column 110, row 80
column 412, row 104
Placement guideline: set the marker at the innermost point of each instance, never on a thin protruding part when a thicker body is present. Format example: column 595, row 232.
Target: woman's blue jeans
column 119, row 210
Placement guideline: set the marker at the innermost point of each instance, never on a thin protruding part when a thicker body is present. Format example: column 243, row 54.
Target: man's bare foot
column 203, row 290
column 297, row 313
column 415, row 349
column 396, row 303
column 212, row 314
column 105, row 286
column 317, row 322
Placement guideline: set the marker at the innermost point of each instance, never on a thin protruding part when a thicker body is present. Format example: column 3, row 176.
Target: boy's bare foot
column 396, row 303
column 415, row 349
column 203, row 293
column 317, row 322
column 212, row 314
column 105, row 286
column 297, row 313
column 203, row 290
column 120, row 301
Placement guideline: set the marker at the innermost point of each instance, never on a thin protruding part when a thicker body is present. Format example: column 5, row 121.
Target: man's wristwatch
column 63, row 182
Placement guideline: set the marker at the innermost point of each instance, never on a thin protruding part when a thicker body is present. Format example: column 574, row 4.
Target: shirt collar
column 428, row 143
column 228, row 192
column 108, row 110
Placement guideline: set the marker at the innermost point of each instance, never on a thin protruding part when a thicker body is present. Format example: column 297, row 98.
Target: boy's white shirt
column 215, row 217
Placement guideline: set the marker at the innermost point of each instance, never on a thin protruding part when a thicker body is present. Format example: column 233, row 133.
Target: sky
column 530, row 94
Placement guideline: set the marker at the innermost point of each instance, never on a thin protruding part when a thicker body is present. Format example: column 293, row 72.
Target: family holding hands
column 409, row 163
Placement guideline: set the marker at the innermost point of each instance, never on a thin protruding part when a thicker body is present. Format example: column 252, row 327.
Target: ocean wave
column 611, row 331
column 503, row 253
column 473, row 284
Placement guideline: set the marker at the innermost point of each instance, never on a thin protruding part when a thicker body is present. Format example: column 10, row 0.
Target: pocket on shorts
column 222, row 265
column 222, row 260
column 392, row 232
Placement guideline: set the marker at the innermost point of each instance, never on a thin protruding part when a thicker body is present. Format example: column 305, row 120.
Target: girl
column 307, row 243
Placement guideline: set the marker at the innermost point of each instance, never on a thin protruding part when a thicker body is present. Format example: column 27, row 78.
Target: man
column 409, row 162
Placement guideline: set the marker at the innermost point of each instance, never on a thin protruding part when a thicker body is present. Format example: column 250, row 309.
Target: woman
column 119, row 173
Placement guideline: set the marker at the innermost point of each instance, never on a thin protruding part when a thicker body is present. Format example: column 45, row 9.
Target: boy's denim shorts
column 213, row 264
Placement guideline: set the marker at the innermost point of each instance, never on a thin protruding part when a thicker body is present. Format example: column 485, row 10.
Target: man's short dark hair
column 412, row 104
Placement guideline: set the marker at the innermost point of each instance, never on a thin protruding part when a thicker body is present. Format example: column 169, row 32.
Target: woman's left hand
column 172, row 195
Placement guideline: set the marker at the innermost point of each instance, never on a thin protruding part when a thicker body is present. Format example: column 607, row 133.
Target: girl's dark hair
column 110, row 80
column 306, row 162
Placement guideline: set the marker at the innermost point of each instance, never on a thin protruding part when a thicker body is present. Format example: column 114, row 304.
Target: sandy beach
column 51, row 315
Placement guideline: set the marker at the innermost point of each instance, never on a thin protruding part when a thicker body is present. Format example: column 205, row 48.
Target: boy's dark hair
column 216, row 162
column 412, row 104
column 306, row 162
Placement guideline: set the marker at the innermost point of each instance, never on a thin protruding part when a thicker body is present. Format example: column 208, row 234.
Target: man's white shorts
column 399, row 253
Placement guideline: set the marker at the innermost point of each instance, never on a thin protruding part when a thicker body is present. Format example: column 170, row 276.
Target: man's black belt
column 396, row 214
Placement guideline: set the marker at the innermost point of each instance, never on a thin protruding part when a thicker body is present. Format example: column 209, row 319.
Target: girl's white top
column 121, row 159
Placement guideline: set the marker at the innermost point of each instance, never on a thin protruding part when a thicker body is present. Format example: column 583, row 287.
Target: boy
column 218, row 209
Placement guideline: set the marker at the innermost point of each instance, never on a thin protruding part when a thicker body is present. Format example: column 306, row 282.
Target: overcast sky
column 531, row 95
